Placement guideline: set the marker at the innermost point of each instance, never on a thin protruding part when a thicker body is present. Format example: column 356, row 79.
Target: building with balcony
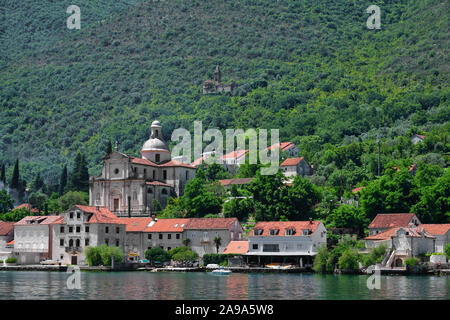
column 84, row 226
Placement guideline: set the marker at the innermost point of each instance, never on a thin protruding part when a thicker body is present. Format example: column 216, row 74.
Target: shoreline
column 53, row 268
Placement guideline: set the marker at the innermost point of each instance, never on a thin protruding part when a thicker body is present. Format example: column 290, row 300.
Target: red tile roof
column 143, row 161
column 6, row 228
column 392, row 232
column 420, row 136
column 28, row 207
column 235, row 154
column 236, row 247
column 291, row 161
column 41, row 220
column 357, row 189
column 100, row 215
column 438, row 229
column 283, row 146
column 166, row 225
column 210, row 223
column 227, row 182
column 11, row 243
column 282, row 226
column 391, row 220
column 174, row 163
column 135, row 224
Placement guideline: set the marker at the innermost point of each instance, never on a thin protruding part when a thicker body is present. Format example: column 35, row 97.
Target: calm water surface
column 174, row 285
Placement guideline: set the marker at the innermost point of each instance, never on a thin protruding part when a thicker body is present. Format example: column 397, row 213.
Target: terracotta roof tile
column 438, row 229
column 291, row 161
column 41, row 220
column 236, row 247
column 357, row 189
column 174, row 163
column 391, row 220
column 143, row 161
column 135, row 224
column 157, row 183
column 6, row 228
column 210, row 223
column 227, row 182
column 100, row 215
column 282, row 145
column 282, row 226
column 388, row 234
column 166, row 225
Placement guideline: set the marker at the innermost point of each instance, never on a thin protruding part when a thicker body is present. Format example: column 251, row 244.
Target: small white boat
column 221, row 271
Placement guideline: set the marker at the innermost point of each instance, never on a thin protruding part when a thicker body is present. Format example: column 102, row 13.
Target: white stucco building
column 129, row 185
column 441, row 232
column 385, row 221
column 278, row 241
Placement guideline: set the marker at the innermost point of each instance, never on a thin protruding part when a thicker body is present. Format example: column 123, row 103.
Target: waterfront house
column 294, row 242
column 164, row 233
column 33, row 236
column 404, row 242
column 441, row 232
column 386, row 221
column 236, row 250
column 6, row 236
column 84, row 226
column 202, row 231
column 134, row 241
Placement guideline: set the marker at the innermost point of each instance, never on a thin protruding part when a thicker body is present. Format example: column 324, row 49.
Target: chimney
column 310, row 221
column 98, row 208
column 153, row 217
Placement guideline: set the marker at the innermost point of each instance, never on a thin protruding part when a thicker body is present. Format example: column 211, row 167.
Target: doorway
column 74, row 260
column 116, row 204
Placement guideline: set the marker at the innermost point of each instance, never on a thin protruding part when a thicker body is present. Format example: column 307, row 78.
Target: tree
column 38, row 200
column 183, row 255
column 348, row 260
column 16, row 215
column 218, row 243
column 72, row 198
column 38, row 183
column 347, row 216
column 15, row 179
column 447, row 250
column 239, row 208
column 108, row 147
column 63, row 180
column 6, row 203
column 3, row 174
column 157, row 254
column 53, row 203
column 79, row 178
column 186, row 241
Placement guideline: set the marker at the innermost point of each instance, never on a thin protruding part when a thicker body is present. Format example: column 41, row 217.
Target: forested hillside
column 310, row 68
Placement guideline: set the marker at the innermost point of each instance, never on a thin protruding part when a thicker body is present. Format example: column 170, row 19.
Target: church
column 129, row 185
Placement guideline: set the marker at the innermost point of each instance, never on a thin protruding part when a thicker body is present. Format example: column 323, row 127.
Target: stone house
column 288, row 148
column 6, row 237
column 293, row 167
column 441, row 232
column 285, row 241
column 210, row 86
column 33, row 237
column 385, row 221
column 202, row 231
column 85, row 226
column 417, row 138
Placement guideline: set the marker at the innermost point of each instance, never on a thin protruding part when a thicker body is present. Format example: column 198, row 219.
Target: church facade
column 128, row 186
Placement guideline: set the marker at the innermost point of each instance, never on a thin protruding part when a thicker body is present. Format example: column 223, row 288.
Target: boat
column 221, row 271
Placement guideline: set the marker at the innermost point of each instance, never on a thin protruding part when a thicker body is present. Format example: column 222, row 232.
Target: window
column 71, row 215
column 117, row 230
column 106, row 229
column 116, row 171
column 70, row 229
column 169, row 236
column 107, row 242
column 154, row 174
column 164, row 174
column 78, row 215
column 257, row 232
column 187, row 175
column 149, row 236
column 78, row 228
column 274, row 232
column 71, row 243
column 306, row 232
column 290, row 232
column 86, row 229
column 255, row 246
column 117, row 242
column 149, row 190
column 168, row 248
column 160, row 236
column 77, row 243
column 157, row 157
column 145, row 173
column 178, row 236
column 86, row 242
column 271, row 248
column 61, row 242
column 164, row 191
column 61, row 229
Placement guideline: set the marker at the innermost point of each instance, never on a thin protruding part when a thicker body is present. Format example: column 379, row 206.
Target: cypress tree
column 84, row 175
column 38, row 183
column 15, row 182
column 74, row 180
column 108, row 148
column 3, row 174
column 63, row 180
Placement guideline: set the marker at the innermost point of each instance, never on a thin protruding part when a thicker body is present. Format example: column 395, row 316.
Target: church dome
column 156, row 123
column 154, row 144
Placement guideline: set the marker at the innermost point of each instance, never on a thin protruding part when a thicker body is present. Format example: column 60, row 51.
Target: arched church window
column 71, row 243
column 77, row 242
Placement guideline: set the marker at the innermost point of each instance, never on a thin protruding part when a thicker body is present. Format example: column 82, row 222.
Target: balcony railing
column 73, row 249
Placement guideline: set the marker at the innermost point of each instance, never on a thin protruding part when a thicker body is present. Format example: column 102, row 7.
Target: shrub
column 157, row 255
column 349, row 260
column 96, row 256
column 11, row 260
column 1, row 261
column 215, row 258
column 374, row 256
column 93, row 257
column 411, row 262
column 447, row 250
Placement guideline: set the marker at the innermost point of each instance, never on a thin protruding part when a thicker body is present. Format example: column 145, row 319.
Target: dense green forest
column 309, row 68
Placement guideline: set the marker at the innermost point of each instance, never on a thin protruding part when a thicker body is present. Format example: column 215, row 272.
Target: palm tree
column 186, row 241
column 218, row 242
